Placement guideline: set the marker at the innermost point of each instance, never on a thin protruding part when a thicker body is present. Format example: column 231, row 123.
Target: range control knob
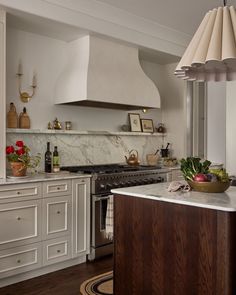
column 102, row 186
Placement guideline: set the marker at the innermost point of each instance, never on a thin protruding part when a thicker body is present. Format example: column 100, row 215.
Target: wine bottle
column 48, row 159
column 55, row 161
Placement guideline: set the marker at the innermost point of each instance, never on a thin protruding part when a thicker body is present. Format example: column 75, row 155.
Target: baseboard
column 41, row 271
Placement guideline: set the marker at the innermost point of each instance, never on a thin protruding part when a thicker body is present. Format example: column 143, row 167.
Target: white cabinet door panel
column 57, row 215
column 57, row 188
column 20, row 223
column 20, row 192
column 56, row 250
column 20, row 259
column 81, row 217
column 2, row 92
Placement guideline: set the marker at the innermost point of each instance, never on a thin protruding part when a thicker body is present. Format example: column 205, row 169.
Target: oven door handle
column 96, row 199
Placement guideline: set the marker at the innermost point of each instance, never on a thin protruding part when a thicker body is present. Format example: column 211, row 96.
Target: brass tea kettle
column 133, row 158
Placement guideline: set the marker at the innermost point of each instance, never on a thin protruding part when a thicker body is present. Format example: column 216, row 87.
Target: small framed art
column 135, row 125
column 147, row 125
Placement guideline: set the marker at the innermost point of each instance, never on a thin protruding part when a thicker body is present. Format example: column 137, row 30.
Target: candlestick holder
column 25, row 96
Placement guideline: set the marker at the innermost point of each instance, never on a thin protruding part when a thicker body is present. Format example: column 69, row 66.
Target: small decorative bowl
column 170, row 162
column 209, row 187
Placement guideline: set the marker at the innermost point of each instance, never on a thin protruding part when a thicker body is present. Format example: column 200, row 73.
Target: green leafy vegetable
column 192, row 166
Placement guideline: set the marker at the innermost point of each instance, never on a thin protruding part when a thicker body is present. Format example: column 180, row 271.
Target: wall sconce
column 25, row 96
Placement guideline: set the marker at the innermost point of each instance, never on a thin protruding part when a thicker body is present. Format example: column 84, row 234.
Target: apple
column 200, row 177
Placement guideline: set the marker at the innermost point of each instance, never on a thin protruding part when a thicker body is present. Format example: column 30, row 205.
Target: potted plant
column 20, row 159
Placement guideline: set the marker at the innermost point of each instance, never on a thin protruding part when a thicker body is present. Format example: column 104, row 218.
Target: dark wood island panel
column 163, row 248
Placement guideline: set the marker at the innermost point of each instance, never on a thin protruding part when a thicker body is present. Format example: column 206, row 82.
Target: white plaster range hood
column 103, row 73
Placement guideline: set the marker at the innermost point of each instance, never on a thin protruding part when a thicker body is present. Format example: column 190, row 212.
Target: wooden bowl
column 209, row 187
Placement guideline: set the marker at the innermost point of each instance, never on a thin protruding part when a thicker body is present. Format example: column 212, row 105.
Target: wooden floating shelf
column 75, row 132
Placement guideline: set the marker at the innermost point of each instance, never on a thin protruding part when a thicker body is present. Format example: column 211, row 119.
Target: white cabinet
column 56, row 250
column 57, row 214
column 20, row 259
column 57, row 188
column 20, row 192
column 2, row 91
column 43, row 223
column 20, row 223
column 81, row 217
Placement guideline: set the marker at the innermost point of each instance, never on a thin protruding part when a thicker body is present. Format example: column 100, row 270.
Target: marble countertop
column 218, row 201
column 42, row 177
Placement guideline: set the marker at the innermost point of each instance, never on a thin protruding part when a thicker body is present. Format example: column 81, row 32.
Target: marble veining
column 218, row 201
column 77, row 149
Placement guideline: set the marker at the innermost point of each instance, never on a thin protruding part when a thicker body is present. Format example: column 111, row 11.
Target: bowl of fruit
column 202, row 178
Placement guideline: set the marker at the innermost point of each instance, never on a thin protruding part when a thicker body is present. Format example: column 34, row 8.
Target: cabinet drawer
column 57, row 188
column 23, row 192
column 20, row 223
column 20, row 259
column 57, row 215
column 56, row 250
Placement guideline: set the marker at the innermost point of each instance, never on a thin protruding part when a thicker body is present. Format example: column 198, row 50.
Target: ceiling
column 180, row 15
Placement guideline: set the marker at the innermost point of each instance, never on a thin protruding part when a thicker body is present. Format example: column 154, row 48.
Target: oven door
column 99, row 209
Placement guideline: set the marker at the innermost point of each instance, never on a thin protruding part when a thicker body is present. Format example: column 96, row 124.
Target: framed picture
column 135, row 125
column 147, row 125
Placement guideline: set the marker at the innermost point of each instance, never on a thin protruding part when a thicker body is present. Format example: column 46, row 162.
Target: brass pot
column 209, row 187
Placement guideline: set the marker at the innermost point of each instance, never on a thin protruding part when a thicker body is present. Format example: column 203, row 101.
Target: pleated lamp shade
column 211, row 54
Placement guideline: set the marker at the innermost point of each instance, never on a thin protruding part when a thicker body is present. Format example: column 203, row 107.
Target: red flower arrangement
column 21, row 153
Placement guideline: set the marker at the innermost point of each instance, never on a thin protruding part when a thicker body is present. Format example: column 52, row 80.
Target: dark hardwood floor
column 62, row 282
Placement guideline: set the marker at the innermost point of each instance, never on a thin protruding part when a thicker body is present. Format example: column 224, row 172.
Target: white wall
column 47, row 57
column 216, row 122
column 174, row 110
column 231, row 127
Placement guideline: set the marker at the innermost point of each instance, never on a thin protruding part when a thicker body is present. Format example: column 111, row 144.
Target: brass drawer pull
column 18, row 261
column 58, row 251
column 18, row 193
column 58, row 188
column 58, row 212
column 18, row 218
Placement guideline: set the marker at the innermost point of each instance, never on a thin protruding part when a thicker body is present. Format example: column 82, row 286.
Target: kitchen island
column 174, row 243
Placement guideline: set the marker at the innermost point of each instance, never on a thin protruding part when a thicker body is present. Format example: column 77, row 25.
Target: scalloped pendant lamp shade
column 211, row 54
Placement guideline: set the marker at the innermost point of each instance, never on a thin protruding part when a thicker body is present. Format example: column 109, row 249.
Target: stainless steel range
column 105, row 178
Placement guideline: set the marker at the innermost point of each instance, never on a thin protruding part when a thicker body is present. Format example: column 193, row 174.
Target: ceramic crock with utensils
column 165, row 152
column 152, row 159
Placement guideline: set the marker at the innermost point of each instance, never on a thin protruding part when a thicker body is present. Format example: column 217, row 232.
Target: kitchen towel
column 179, row 186
column 109, row 218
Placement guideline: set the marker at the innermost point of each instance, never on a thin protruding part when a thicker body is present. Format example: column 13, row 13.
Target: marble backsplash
column 88, row 149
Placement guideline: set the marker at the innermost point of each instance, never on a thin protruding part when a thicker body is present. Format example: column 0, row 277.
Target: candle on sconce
column 34, row 81
column 20, row 70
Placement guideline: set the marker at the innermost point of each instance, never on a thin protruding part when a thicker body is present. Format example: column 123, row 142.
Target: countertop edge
column 174, row 201
column 42, row 177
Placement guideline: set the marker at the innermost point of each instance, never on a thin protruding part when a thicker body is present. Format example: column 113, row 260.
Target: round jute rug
column 99, row 285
